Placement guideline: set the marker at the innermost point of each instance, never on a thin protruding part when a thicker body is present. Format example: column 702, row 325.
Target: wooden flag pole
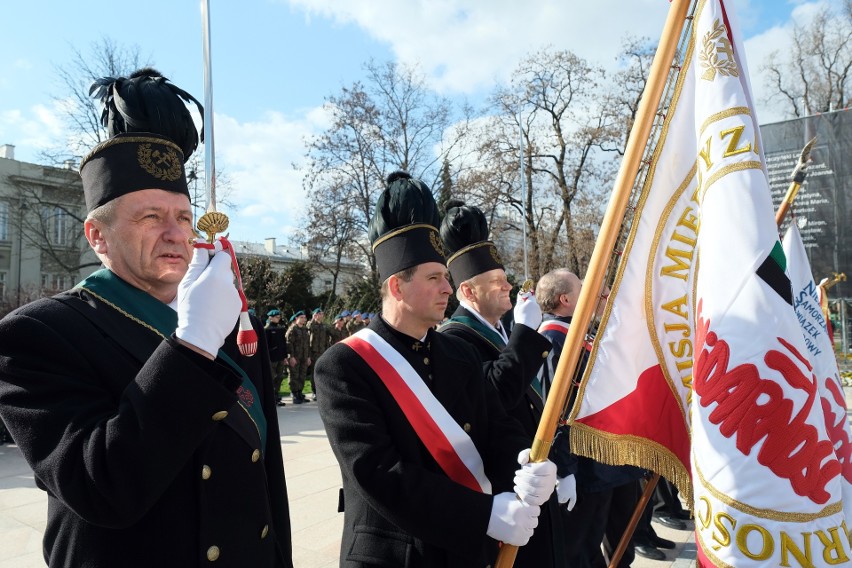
column 605, row 243
column 634, row 520
column 796, row 180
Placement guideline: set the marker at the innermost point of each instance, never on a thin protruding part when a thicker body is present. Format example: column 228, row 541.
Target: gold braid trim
column 124, row 313
column 615, row 449
column 769, row 514
column 401, row 230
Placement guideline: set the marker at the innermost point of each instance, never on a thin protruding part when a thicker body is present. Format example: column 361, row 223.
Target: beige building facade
column 42, row 246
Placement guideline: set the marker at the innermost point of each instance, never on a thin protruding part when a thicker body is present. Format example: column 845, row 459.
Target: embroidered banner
column 820, row 354
column 446, row 441
column 767, row 480
column 768, row 476
column 634, row 398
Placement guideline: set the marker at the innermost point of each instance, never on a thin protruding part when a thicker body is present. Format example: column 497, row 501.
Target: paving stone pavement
column 313, row 480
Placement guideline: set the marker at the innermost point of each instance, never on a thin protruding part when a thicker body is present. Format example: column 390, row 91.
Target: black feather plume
column 463, row 225
column 404, row 201
column 148, row 102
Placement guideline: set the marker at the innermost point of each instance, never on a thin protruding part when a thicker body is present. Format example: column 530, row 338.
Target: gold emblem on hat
column 163, row 164
column 495, row 255
column 436, row 243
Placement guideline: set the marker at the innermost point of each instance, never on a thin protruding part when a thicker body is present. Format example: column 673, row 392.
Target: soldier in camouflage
column 299, row 344
column 320, row 340
column 356, row 323
column 338, row 330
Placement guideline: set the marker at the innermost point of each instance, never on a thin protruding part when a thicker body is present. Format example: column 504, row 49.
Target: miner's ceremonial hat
column 404, row 227
column 151, row 135
column 464, row 233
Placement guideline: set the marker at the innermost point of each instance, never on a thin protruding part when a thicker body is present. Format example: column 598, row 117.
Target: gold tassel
column 631, row 450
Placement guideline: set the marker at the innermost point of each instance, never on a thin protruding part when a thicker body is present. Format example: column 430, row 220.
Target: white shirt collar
column 500, row 330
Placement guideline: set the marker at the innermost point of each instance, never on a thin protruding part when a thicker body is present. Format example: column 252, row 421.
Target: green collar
column 488, row 334
column 153, row 314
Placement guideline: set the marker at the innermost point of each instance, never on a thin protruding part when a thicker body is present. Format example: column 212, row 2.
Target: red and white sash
column 554, row 325
column 448, row 443
column 562, row 327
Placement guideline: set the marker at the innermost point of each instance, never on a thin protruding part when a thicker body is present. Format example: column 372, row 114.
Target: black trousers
column 600, row 517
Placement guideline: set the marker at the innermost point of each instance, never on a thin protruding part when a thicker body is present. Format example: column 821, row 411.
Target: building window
column 4, row 221
column 57, row 223
column 2, row 284
column 54, row 282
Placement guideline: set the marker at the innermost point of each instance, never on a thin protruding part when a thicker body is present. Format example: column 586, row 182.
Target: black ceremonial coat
column 145, row 454
column 401, row 509
column 510, row 370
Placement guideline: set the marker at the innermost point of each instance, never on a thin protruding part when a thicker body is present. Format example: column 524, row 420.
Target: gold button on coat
column 265, row 531
column 255, row 455
column 466, row 427
column 544, row 354
column 206, row 472
column 221, row 415
column 425, row 360
column 213, row 553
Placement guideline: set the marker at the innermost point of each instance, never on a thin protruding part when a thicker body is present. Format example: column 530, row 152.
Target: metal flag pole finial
column 212, row 221
column 797, row 178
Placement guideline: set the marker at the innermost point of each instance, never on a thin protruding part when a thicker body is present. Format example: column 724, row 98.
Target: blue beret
column 271, row 313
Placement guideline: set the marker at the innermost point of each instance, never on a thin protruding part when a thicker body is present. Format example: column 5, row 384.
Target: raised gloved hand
column 527, row 311
column 512, row 521
column 208, row 303
column 534, row 482
column 566, row 491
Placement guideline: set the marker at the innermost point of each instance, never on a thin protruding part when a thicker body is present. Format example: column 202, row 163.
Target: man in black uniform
column 277, row 342
column 605, row 494
column 425, row 448
column 510, row 361
column 156, row 441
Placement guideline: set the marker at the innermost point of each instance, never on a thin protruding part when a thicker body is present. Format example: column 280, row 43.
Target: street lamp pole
column 523, row 195
column 21, row 209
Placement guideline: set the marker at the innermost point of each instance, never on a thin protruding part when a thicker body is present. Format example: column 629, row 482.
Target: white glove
column 566, row 491
column 512, row 521
column 208, row 303
column 527, row 311
column 534, row 482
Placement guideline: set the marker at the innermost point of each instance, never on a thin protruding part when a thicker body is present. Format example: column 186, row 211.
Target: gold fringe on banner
column 615, row 449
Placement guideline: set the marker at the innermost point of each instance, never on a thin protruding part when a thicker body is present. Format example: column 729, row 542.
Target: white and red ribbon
column 446, row 441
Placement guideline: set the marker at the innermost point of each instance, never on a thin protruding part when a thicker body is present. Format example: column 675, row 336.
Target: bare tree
column 80, row 112
column 330, row 233
column 391, row 121
column 629, row 82
column 51, row 221
column 566, row 124
column 813, row 76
